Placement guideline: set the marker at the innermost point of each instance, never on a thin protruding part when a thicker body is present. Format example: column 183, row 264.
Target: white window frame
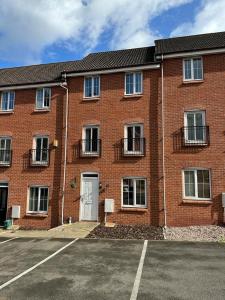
column 135, row 205
column 6, row 138
column 43, row 98
column 92, row 87
column 8, row 101
column 196, row 184
column 187, row 141
column 34, row 161
column 192, row 69
column 28, row 199
column 126, row 138
column 84, row 138
column 134, row 85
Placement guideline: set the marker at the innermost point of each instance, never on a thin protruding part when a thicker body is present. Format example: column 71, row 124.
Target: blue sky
column 33, row 32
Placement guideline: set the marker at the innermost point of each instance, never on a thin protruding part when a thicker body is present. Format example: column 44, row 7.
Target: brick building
column 142, row 126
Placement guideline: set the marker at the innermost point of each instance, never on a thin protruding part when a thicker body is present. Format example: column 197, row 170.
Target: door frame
column 81, row 193
column 5, row 184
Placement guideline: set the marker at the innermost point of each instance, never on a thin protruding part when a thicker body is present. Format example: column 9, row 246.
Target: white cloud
column 27, row 27
column 209, row 18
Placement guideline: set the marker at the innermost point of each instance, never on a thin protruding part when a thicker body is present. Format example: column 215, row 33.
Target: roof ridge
column 119, row 50
column 43, row 64
column 190, row 35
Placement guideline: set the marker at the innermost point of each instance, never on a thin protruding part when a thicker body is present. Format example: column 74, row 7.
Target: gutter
column 64, row 86
column 29, row 86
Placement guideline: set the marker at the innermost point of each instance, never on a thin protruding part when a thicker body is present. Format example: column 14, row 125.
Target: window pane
column 203, row 184
column 138, row 82
column 44, row 149
column 96, row 86
column 88, row 87
column 33, row 201
column 47, row 93
column 87, row 139
column 128, row 192
column 43, row 199
column 4, row 100
column 130, row 138
column 199, row 124
column 189, row 181
column 94, row 139
column 190, row 129
column 39, row 98
column 129, row 83
column 197, row 68
column 11, row 100
column 140, row 192
column 187, row 69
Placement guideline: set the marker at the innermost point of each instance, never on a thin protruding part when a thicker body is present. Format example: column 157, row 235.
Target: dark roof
column 96, row 61
column 190, row 43
column 117, row 59
column 35, row 73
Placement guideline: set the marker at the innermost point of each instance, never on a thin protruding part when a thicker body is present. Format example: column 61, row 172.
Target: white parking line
column 37, row 265
column 8, row 240
column 139, row 273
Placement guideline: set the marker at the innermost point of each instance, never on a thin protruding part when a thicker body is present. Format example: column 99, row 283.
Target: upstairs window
column 133, row 139
column 7, row 100
column 38, row 199
column 197, row 184
column 5, row 150
column 133, row 83
column 91, row 86
column 192, row 69
column 91, row 142
column 195, row 129
column 40, row 151
column 43, row 97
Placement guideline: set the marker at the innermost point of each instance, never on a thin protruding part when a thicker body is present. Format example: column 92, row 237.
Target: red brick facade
column 111, row 112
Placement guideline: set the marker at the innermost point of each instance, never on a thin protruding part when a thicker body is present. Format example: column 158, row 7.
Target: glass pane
column 11, row 100
column 189, row 179
column 88, row 87
column 190, row 127
column 140, row 192
column 94, row 139
column 33, row 201
column 38, row 149
column 88, row 139
column 43, row 199
column 130, row 138
column 187, row 69
column 39, row 98
column 96, row 86
column 4, row 100
column 203, row 184
column 47, row 97
column 197, row 68
column 128, row 192
column 138, row 82
column 129, row 83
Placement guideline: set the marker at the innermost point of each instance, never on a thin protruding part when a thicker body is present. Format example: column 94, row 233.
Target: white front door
column 89, row 197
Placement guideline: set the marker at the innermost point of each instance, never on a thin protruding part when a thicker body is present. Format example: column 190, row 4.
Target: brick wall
column 22, row 125
column 180, row 97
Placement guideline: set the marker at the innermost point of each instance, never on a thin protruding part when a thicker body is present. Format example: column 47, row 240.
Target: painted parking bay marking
column 36, row 265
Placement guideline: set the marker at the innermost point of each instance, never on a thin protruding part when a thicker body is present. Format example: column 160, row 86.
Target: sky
column 45, row 31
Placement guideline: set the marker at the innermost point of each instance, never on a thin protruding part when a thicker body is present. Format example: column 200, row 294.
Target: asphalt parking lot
column 32, row 268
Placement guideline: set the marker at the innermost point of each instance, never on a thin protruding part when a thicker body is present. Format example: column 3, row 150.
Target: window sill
column 192, row 81
column 5, row 165
column 134, row 209
column 133, row 96
column 192, row 201
column 36, row 215
column 91, row 98
column 41, row 110
column 6, row 112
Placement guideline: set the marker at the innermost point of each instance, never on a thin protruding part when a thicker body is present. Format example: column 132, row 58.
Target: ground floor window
column 38, row 199
column 134, row 192
column 197, row 184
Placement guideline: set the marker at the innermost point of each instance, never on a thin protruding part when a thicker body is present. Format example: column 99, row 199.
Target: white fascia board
column 139, row 68
column 29, row 86
column 191, row 53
